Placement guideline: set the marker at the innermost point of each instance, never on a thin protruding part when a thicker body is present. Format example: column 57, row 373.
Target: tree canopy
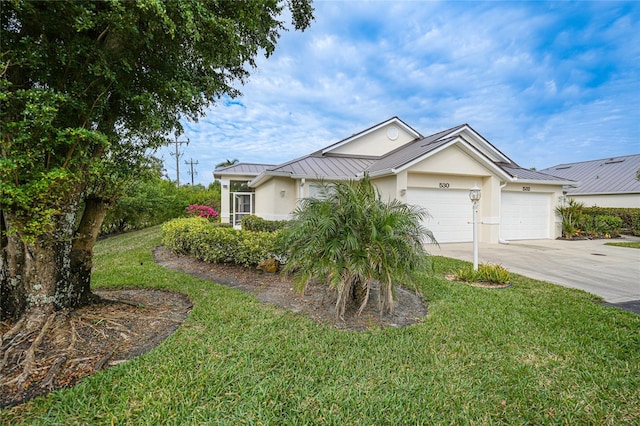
column 89, row 89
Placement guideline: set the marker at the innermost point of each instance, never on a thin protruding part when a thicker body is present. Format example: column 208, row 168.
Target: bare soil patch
column 119, row 325
column 317, row 301
column 59, row 350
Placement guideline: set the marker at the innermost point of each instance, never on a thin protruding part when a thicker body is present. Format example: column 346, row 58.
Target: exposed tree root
column 102, row 361
column 42, row 352
column 30, row 354
column 48, row 380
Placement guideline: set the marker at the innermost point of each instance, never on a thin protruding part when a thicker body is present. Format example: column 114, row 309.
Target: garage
column 525, row 216
column 450, row 210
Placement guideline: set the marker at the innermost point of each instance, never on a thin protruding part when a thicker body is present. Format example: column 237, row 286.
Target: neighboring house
column 610, row 182
column 435, row 172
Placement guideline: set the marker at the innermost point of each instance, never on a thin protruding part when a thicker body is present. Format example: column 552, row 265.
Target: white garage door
column 450, row 210
column 525, row 216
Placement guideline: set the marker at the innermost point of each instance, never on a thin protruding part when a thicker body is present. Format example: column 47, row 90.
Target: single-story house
column 436, row 172
column 610, row 182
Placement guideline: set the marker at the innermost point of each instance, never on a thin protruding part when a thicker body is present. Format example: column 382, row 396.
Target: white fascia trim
column 265, row 176
column 481, row 139
column 385, row 172
column 220, row 175
column 542, row 182
column 393, row 120
column 326, row 178
column 480, row 157
column 570, row 194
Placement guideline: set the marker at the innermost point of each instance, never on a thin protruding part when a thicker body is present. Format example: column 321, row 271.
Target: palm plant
column 572, row 217
column 227, row 163
column 349, row 237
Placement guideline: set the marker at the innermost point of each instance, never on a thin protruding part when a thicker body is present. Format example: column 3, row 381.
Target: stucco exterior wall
column 387, row 187
column 617, row 200
column 452, row 160
column 276, row 199
column 378, row 142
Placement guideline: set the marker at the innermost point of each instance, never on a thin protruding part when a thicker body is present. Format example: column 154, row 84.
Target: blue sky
column 545, row 82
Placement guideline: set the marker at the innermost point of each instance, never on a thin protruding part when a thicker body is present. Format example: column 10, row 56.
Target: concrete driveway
column 610, row 272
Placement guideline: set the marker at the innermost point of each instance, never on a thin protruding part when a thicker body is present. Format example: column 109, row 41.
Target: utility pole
column 177, row 155
column 192, row 163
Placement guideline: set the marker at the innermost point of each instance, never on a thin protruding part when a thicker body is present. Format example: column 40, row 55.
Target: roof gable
column 419, row 151
column 375, row 141
column 479, row 142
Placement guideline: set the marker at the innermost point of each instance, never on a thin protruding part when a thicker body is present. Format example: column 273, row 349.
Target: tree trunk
column 93, row 215
column 359, row 293
column 52, row 272
column 35, row 274
column 12, row 298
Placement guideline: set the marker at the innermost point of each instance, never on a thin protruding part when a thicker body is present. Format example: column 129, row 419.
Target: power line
column 191, row 163
column 177, row 155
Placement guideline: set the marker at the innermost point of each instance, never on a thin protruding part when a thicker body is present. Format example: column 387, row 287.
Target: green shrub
column 630, row 217
column 152, row 200
column 607, row 225
column 487, row 272
column 572, row 218
column 598, row 222
column 258, row 224
column 218, row 244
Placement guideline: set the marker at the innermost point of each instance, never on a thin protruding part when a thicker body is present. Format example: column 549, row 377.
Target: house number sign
column 444, row 185
column 526, row 189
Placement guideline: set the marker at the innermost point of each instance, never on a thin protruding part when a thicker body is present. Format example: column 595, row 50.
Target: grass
column 535, row 353
column 631, row 244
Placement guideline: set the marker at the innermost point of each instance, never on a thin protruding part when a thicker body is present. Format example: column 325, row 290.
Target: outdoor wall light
column 282, row 193
column 403, row 192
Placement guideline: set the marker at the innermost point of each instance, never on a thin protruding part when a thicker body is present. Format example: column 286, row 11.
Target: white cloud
column 545, row 82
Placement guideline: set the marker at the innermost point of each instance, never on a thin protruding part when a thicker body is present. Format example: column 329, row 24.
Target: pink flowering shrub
column 202, row 211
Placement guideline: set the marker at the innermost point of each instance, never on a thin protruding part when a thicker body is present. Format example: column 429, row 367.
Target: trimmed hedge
column 630, row 216
column 258, row 224
column 204, row 240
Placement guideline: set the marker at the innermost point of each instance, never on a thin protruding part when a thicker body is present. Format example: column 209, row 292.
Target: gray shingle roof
column 606, row 176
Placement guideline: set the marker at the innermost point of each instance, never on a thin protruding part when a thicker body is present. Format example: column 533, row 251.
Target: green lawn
column 632, row 244
column 534, row 353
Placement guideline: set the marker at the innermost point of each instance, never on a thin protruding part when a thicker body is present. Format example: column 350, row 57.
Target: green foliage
column 630, row 244
column 538, row 354
column 572, row 217
column 607, row 225
column 580, row 221
column 351, row 237
column 153, row 200
column 38, row 179
column 487, row 272
column 255, row 223
column 218, row 244
column 89, row 89
column 630, row 217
